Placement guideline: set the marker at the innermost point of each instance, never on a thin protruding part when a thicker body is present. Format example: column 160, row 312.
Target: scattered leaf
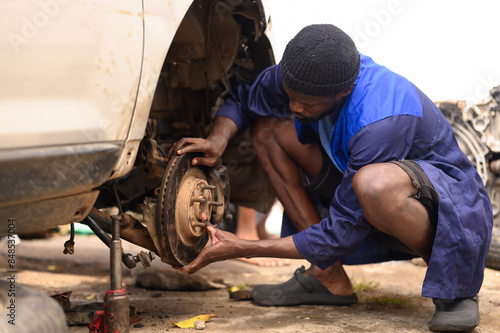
column 236, row 288
column 233, row 289
column 189, row 323
column 91, row 296
column 52, row 268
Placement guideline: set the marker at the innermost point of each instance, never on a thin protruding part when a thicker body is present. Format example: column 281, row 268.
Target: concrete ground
column 389, row 293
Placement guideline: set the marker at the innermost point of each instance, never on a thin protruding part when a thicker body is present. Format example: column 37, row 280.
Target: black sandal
column 299, row 290
column 455, row 315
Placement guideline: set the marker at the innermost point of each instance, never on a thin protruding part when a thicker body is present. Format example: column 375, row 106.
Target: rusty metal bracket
column 154, row 162
column 130, row 229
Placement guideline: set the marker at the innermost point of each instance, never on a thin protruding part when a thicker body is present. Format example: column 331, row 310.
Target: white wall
column 449, row 48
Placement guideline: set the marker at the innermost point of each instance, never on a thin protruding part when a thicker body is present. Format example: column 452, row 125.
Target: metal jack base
column 116, row 302
column 116, row 311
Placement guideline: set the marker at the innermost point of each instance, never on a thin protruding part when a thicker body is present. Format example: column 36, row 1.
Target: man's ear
column 347, row 91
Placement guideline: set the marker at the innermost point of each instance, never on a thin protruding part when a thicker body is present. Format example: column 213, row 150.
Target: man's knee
column 275, row 139
column 262, row 133
column 370, row 182
column 259, row 127
column 267, row 131
column 382, row 184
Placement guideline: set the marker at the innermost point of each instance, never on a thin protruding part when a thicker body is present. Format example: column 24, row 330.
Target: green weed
column 363, row 285
column 398, row 302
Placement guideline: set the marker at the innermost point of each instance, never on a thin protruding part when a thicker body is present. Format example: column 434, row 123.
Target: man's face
column 309, row 109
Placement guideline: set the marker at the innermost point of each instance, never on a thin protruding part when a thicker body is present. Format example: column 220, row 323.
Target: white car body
column 77, row 81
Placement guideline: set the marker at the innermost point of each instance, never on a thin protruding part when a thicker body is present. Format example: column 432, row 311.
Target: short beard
column 309, row 120
column 306, row 120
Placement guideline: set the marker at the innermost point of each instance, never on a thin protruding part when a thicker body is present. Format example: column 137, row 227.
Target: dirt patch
column 389, row 293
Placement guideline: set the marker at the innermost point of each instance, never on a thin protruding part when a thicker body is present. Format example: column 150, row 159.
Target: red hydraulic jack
column 116, row 315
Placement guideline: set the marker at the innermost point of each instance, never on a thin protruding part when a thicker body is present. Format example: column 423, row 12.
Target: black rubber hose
column 127, row 258
column 103, row 236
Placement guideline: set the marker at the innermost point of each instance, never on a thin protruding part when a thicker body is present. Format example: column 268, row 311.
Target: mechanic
column 380, row 154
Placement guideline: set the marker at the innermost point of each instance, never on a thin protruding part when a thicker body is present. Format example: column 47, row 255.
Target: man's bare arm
column 276, row 248
column 224, row 245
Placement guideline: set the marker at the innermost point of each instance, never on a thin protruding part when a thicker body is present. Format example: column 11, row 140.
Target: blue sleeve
column 346, row 228
column 265, row 97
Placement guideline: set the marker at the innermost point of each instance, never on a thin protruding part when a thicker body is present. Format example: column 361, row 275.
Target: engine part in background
column 485, row 119
column 468, row 139
column 477, row 130
column 187, row 193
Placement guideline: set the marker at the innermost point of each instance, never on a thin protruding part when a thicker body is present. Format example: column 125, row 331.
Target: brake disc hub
column 189, row 197
column 194, row 201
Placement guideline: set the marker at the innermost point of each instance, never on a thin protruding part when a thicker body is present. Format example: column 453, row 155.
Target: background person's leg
column 246, row 228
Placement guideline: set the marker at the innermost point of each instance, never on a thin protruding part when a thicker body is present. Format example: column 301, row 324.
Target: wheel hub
column 193, row 201
column 187, row 195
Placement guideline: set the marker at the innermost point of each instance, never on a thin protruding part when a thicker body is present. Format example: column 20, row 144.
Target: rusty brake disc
column 186, row 192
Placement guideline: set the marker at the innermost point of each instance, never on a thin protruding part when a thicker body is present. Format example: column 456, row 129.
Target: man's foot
column 299, row 290
column 455, row 315
column 334, row 278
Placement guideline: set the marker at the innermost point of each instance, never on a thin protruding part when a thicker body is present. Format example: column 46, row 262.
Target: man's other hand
column 222, row 245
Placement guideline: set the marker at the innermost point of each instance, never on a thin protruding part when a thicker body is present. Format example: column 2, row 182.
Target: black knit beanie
column 320, row 60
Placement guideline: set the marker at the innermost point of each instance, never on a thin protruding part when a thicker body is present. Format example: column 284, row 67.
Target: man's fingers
column 202, row 259
column 179, row 268
column 195, row 265
column 176, row 147
column 211, row 233
column 188, row 145
column 192, row 145
column 210, row 151
column 208, row 161
column 188, row 269
column 204, row 217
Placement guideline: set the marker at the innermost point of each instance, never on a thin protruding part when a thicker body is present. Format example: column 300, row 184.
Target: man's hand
column 211, row 148
column 222, row 245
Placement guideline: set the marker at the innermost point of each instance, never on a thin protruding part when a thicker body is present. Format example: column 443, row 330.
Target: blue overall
column 385, row 118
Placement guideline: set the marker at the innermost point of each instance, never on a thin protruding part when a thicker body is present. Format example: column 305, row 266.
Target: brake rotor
column 186, row 192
